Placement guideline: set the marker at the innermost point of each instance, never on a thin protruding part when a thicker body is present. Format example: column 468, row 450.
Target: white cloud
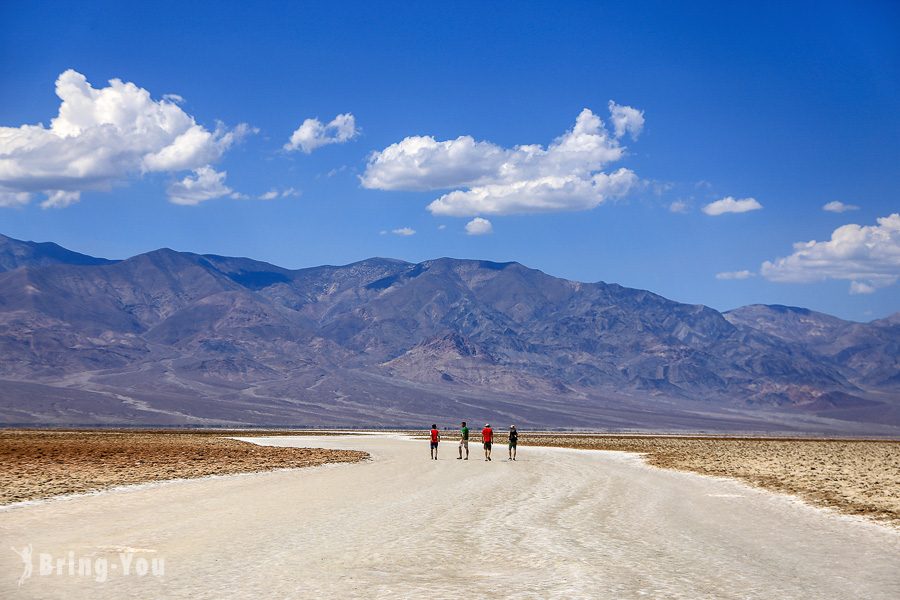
column 103, row 136
column 479, row 226
column 336, row 171
column 313, row 134
column 489, row 179
column 420, row 163
column 731, row 205
column 626, row 119
column 730, row 275
column 545, row 194
column 442, row 227
column 10, row 198
column 205, row 184
column 60, row 199
column 196, row 146
column 679, row 206
column 276, row 193
column 858, row 287
column 836, row 206
column 867, row 256
column 404, row 231
column 659, row 188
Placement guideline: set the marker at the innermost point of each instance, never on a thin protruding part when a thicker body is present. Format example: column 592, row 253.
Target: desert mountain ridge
column 177, row 338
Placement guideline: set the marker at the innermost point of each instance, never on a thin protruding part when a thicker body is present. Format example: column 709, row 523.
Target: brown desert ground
column 41, row 464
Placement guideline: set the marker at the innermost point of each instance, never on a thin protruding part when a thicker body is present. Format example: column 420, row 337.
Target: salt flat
column 556, row 524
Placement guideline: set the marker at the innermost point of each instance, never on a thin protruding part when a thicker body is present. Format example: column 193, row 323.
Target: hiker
column 463, row 441
column 435, row 438
column 487, row 438
column 513, row 440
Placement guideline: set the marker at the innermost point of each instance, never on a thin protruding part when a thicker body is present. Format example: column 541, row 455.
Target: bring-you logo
column 99, row 566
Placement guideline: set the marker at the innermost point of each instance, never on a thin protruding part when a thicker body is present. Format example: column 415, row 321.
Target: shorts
column 434, row 445
column 512, row 444
column 464, row 444
column 487, row 445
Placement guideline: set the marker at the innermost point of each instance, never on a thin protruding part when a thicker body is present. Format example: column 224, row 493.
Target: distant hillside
column 177, row 338
column 15, row 254
column 867, row 353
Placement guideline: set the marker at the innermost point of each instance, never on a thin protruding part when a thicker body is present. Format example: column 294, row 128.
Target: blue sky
column 790, row 107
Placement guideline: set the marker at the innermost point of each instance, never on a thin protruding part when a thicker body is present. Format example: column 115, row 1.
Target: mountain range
column 176, row 338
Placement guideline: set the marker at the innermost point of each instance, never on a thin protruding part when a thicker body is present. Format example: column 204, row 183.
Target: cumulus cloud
column 9, row 198
column 276, row 193
column 488, row 179
column 336, row 171
column 858, row 287
column 731, row 205
column 103, row 136
column 626, row 119
column 545, row 194
column 421, row 163
column 404, row 231
column 679, row 206
column 867, row 256
column 731, row 275
column 205, row 184
column 479, row 226
column 836, row 206
column 313, row 134
column 60, row 199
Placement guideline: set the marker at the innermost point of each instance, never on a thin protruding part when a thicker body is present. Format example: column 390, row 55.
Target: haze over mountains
column 179, row 338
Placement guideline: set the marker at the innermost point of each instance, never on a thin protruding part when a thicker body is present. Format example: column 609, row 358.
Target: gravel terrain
column 41, row 464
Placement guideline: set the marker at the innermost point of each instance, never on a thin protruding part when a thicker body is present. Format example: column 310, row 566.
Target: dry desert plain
column 860, row 477
column 565, row 521
column 42, row 464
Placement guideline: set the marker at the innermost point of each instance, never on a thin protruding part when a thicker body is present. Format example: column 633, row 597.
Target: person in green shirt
column 463, row 441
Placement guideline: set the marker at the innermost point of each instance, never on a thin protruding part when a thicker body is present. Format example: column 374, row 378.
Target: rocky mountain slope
column 867, row 353
column 178, row 338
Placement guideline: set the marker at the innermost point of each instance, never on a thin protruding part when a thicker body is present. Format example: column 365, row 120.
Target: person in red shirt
column 487, row 438
column 435, row 438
